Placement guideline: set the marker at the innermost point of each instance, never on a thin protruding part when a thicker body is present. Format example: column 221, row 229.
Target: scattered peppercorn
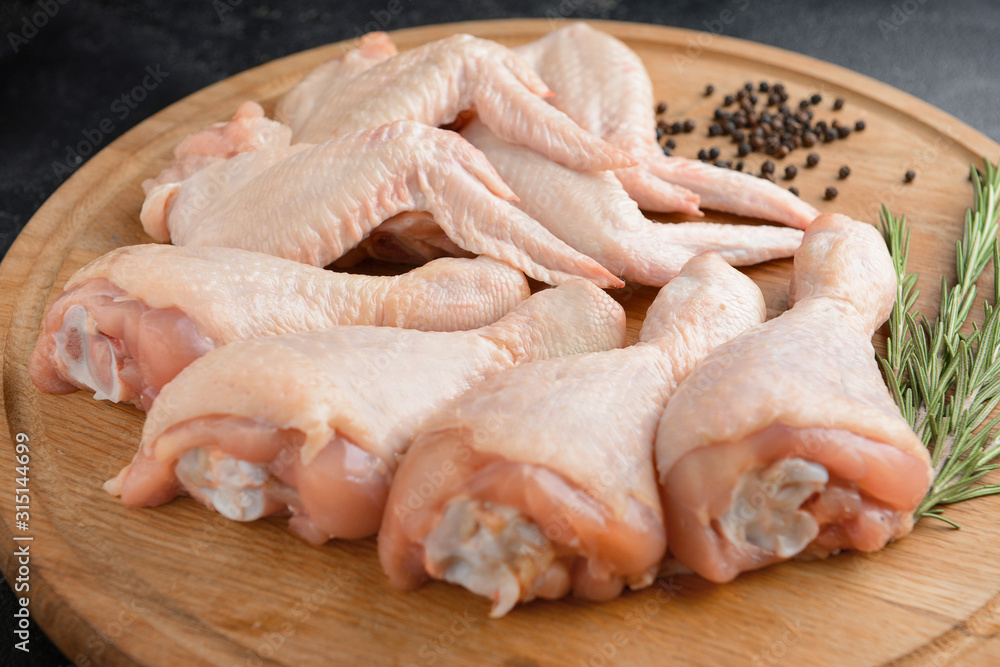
column 661, row 108
column 816, row 98
column 812, row 159
column 739, row 167
column 748, row 87
column 844, row 172
column 794, row 190
column 667, row 151
column 860, row 125
column 671, row 144
column 910, row 175
column 767, row 167
column 783, row 151
column 676, row 127
column 843, row 131
column 709, row 89
column 702, row 154
column 790, row 172
column 838, row 104
column 831, row 193
column 713, row 153
column 763, row 87
column 689, row 125
column 714, row 130
column 808, row 139
column 724, row 164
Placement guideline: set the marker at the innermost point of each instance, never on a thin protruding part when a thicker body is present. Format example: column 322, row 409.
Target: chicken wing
column 540, row 480
column 602, row 84
column 593, row 214
column 129, row 321
column 315, row 422
column 314, row 203
column 432, row 84
column 785, row 440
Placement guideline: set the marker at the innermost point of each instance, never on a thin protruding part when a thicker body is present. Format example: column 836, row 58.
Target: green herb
column 946, row 382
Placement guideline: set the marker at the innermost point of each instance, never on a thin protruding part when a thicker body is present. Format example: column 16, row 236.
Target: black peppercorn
column 689, row 125
column 794, row 190
column 812, row 159
column 671, row 144
column 831, row 193
column 713, row 153
column 816, row 98
column 860, row 125
column 790, row 172
column 838, row 104
column 661, row 108
column 910, row 175
column 767, row 167
column 709, row 89
column 844, row 172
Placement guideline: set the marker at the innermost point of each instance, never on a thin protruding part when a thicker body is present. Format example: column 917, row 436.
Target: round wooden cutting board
column 179, row 585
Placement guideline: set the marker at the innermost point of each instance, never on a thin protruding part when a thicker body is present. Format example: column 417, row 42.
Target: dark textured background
column 61, row 74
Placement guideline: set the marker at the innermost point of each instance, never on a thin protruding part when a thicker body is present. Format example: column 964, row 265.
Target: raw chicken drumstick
column 542, row 476
column 432, row 84
column 314, row 203
column 315, row 422
column 592, row 213
column 602, row 84
column 129, row 321
column 785, row 440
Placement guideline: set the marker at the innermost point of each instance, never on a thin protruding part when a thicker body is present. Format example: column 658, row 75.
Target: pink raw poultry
column 592, row 213
column 315, row 422
column 433, row 84
column 602, row 84
column 785, row 440
column 314, row 203
column 544, row 473
column 129, row 321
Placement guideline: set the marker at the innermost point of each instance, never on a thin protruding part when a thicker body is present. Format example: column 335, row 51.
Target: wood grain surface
column 179, row 585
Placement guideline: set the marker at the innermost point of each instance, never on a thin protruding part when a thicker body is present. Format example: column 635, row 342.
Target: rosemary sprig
column 946, row 382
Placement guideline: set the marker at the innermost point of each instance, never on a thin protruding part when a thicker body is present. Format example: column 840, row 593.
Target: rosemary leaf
column 947, row 383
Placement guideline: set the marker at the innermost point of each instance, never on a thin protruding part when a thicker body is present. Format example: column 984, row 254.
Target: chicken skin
column 602, row 84
column 314, row 423
column 129, row 321
column 785, row 441
column 595, row 215
column 542, row 477
column 432, row 84
column 313, row 204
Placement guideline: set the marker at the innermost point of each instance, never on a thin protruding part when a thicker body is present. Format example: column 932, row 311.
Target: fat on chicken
column 540, row 480
column 785, row 441
column 603, row 85
column 130, row 320
column 592, row 213
column 432, row 84
column 313, row 203
column 313, row 423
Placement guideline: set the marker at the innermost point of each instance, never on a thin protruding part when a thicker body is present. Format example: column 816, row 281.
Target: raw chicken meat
column 432, row 84
column 602, row 84
column 129, row 321
column 785, row 441
column 592, row 213
column 314, row 422
column 248, row 131
column 314, row 203
column 542, row 477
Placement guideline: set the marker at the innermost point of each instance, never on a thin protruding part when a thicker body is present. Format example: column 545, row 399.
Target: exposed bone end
column 766, row 511
column 238, row 490
column 494, row 551
column 90, row 358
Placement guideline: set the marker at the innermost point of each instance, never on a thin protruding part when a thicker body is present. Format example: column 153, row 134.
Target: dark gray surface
column 66, row 75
